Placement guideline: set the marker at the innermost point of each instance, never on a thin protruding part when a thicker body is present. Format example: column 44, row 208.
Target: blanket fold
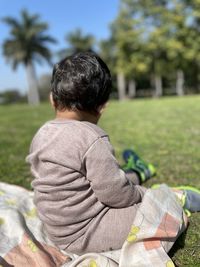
column 23, row 242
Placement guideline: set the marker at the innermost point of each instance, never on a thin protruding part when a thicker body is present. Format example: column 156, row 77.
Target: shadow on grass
column 179, row 244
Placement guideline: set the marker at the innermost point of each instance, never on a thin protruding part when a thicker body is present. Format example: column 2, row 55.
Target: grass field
column 165, row 132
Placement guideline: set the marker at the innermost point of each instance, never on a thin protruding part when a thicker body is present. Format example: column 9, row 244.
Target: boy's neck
column 77, row 115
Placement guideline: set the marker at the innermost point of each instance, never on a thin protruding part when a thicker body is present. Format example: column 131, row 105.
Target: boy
column 85, row 200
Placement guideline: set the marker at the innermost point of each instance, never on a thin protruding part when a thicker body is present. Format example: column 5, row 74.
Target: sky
column 63, row 16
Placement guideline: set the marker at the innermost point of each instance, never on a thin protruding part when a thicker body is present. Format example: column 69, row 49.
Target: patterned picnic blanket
column 23, row 242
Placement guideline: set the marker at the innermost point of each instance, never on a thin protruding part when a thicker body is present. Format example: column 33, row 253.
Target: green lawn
column 165, row 132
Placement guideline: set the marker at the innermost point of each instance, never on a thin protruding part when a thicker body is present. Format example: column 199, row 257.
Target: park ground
column 163, row 131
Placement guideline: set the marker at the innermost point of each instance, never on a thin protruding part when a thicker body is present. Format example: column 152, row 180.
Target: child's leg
column 135, row 164
column 146, row 230
column 190, row 198
column 133, row 176
column 188, row 195
column 109, row 233
column 158, row 223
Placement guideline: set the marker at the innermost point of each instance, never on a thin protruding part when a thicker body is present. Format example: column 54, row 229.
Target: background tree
column 193, row 42
column 174, row 22
column 107, row 51
column 150, row 14
column 130, row 59
column 157, row 40
column 27, row 44
column 12, row 96
column 44, row 83
column 77, row 42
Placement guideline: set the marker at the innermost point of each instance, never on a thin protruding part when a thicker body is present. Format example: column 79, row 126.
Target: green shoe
column 136, row 164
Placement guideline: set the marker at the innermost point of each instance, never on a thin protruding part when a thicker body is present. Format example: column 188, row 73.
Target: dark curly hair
column 81, row 82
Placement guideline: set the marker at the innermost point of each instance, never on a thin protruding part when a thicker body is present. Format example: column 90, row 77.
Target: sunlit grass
column 163, row 131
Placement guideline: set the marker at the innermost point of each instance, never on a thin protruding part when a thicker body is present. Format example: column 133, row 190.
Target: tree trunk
column 121, row 86
column 198, row 77
column 131, row 88
column 158, row 85
column 179, row 83
column 33, row 95
column 198, row 82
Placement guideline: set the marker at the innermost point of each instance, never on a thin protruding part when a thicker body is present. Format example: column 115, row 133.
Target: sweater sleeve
column 107, row 179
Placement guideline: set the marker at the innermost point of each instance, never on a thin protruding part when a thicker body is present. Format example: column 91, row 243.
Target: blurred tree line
column 12, row 96
column 155, row 45
column 153, row 48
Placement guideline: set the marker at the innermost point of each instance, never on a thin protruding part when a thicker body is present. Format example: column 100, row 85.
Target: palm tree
column 78, row 42
column 26, row 44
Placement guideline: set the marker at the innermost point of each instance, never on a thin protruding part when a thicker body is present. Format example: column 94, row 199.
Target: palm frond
column 46, row 38
column 11, row 22
column 27, row 40
column 80, row 42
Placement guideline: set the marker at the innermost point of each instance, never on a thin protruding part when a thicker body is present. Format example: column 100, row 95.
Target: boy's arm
column 107, row 179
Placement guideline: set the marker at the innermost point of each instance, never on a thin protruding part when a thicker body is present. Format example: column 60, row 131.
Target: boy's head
column 81, row 82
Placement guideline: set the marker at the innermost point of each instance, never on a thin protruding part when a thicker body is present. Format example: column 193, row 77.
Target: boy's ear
column 102, row 108
column 51, row 100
